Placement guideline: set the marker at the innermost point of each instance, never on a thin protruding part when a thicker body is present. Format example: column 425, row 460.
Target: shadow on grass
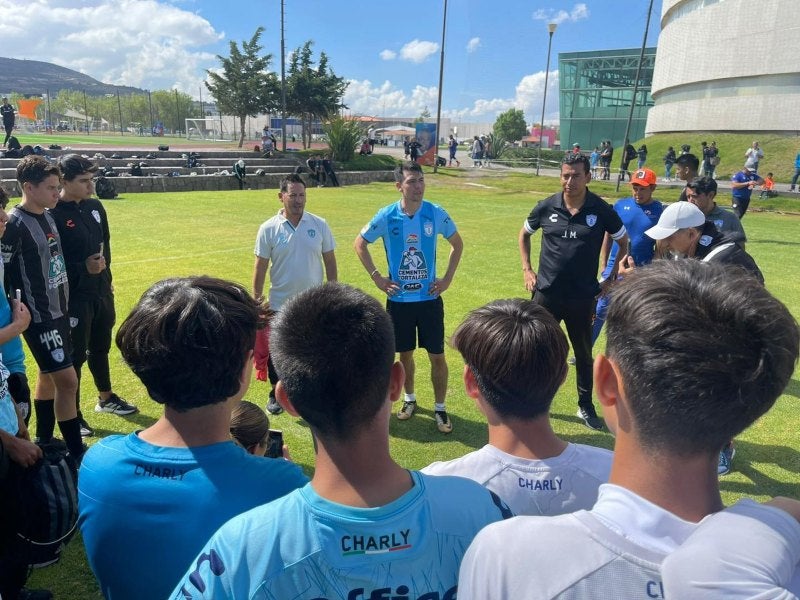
column 793, row 389
column 776, row 242
column 422, row 428
column 601, row 439
column 748, row 453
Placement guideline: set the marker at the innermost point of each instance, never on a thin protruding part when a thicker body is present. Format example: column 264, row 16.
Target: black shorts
column 51, row 344
column 91, row 321
column 418, row 319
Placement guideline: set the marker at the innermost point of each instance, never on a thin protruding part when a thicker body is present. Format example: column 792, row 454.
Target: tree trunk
column 241, row 130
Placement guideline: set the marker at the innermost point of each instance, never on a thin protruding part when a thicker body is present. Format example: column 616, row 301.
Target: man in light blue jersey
column 364, row 527
column 409, row 229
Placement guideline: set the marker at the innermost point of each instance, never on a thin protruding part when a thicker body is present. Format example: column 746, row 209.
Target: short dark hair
column 688, row 160
column 709, row 356
column 518, row 354
column 574, row 159
column 702, row 185
column 72, row 165
column 333, row 349
column 290, row 179
column 249, row 425
column 35, row 169
column 188, row 338
column 408, row 166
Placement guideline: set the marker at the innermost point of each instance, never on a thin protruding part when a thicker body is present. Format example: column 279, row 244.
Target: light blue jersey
column 410, row 244
column 305, row 547
column 13, row 356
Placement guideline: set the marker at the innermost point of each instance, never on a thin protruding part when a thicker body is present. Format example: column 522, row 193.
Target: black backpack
column 104, row 188
column 46, row 506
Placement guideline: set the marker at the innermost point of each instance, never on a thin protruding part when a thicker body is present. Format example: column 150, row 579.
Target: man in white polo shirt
column 295, row 241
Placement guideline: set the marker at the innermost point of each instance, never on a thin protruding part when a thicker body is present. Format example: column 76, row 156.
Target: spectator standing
column 413, row 149
column 8, row 115
column 86, row 242
column 477, row 152
column 330, row 174
column 641, row 155
column 409, row 229
column 606, row 155
column 365, row 527
column 708, row 328
column 573, row 223
column 594, row 159
column 515, row 360
column 753, row 156
column 452, row 146
column 669, row 160
column 742, row 184
column 629, row 154
column 35, row 265
column 297, row 244
column 190, row 341
column 686, row 171
column 796, row 175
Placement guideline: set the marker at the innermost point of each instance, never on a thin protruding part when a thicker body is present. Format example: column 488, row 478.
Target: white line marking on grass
column 480, row 185
column 180, row 257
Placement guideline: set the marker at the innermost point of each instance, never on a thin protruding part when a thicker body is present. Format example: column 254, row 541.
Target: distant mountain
column 36, row 77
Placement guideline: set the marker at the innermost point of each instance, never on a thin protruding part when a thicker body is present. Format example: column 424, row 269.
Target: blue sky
column 495, row 51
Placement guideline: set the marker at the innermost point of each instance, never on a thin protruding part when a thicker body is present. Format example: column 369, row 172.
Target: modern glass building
column 596, row 92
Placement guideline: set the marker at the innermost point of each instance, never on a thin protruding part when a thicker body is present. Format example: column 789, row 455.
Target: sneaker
column 725, row 459
column 86, row 430
column 590, row 418
column 443, row 422
column 571, row 360
column 273, row 407
column 407, row 411
column 116, row 406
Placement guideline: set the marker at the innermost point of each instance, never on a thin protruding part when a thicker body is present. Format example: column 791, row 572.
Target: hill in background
column 33, row 77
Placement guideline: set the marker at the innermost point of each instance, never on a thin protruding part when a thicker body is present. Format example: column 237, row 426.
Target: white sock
column 410, row 398
column 439, row 406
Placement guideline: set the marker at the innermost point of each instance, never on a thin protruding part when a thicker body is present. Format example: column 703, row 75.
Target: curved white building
column 727, row 65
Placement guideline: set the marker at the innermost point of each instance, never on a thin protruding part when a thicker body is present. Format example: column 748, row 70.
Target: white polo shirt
column 295, row 254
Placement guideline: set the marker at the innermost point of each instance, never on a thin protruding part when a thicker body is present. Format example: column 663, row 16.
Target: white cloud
column 473, row 44
column 551, row 15
column 141, row 43
column 364, row 98
column 388, row 54
column 418, row 51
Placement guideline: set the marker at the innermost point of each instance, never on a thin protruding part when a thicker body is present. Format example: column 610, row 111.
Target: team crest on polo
column 96, row 215
column 591, row 220
column 312, row 233
column 57, row 354
column 718, row 223
column 427, row 228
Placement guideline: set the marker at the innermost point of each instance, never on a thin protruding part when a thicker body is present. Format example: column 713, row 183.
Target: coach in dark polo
column 574, row 223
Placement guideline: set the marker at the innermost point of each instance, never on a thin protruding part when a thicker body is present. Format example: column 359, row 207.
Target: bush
column 344, row 136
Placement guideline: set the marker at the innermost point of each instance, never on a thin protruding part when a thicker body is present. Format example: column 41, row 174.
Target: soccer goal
column 209, row 129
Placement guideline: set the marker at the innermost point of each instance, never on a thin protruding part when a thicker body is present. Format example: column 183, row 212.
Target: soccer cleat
column 407, row 411
column 726, row 459
column 86, row 430
column 115, row 405
column 590, row 418
column 443, row 422
column 273, row 407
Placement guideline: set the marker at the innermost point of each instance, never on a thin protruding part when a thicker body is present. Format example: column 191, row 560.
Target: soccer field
column 155, row 236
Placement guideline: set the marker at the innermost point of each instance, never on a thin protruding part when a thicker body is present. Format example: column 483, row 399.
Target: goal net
column 209, row 129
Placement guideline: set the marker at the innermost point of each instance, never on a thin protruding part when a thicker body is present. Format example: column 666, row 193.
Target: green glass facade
column 596, row 92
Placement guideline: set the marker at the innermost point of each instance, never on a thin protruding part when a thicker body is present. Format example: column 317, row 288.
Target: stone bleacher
column 166, row 171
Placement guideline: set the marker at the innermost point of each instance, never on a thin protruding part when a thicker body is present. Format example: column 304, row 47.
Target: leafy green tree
column 245, row 87
column 425, row 114
column 510, row 125
column 312, row 92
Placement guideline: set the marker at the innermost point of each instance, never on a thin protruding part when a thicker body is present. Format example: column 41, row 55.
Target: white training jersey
column 613, row 551
column 747, row 551
column 548, row 487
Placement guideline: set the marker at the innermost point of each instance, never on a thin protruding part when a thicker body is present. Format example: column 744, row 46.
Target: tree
column 425, row 114
column 312, row 93
column 510, row 125
column 343, row 137
column 245, row 88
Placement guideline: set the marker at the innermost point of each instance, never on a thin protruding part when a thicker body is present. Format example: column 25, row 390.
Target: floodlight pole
column 283, row 81
column 551, row 29
column 635, row 90
column 439, row 104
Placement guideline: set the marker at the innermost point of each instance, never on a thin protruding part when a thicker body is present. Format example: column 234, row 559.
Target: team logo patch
column 73, row 322
column 312, row 233
column 412, row 239
column 704, row 240
column 57, row 354
column 427, row 228
column 718, row 224
column 591, row 220
column 96, row 215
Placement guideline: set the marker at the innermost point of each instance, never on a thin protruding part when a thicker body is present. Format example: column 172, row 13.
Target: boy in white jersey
column 364, row 527
column 709, row 356
column 516, row 359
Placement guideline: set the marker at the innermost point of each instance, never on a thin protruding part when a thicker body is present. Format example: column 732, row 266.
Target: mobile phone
column 102, row 246
column 274, row 444
column 18, row 295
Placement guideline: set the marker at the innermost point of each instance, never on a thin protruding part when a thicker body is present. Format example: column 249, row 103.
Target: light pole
column 439, row 102
column 551, row 28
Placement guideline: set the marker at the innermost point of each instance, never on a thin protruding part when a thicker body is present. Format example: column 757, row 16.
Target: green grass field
column 162, row 235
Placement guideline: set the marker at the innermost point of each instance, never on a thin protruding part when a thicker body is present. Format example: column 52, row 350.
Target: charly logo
column 375, row 544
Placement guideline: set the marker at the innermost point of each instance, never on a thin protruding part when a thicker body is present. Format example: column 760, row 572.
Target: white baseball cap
column 680, row 215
